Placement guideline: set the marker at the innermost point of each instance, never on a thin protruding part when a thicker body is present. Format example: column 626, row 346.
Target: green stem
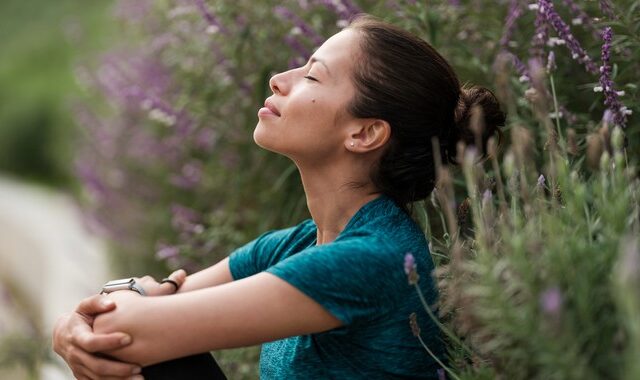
column 555, row 108
column 437, row 360
column 439, row 324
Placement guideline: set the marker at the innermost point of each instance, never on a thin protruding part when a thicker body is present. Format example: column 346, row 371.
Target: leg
column 195, row 367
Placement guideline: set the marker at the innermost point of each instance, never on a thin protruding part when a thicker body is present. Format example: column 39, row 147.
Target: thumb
column 176, row 280
column 179, row 276
column 95, row 305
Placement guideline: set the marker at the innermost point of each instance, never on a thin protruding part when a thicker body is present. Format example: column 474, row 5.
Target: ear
column 368, row 135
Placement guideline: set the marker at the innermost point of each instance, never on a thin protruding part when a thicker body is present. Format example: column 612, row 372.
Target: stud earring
column 352, row 143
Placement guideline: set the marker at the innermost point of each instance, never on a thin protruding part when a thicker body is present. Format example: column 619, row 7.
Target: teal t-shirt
column 360, row 279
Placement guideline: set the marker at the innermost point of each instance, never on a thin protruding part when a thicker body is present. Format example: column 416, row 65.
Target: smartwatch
column 122, row 284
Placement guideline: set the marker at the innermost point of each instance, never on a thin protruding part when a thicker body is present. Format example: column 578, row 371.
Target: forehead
column 339, row 50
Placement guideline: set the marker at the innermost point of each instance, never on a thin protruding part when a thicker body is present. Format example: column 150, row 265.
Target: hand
column 154, row 288
column 75, row 342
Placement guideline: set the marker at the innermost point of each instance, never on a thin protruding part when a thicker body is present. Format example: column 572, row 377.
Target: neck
column 331, row 200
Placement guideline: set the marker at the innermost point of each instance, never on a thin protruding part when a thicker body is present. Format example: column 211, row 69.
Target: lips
column 271, row 107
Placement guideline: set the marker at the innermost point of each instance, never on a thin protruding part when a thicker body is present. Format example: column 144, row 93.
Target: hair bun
column 492, row 118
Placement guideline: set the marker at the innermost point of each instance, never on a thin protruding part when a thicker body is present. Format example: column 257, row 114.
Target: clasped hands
column 82, row 349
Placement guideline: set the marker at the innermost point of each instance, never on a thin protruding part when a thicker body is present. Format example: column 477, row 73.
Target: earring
column 352, row 143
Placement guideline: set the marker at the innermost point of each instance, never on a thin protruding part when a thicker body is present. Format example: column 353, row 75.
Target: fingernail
column 125, row 340
column 138, row 377
column 136, row 370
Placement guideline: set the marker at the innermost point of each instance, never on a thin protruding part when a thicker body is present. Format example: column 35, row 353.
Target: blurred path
column 46, row 257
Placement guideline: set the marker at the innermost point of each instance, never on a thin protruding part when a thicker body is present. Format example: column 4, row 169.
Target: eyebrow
column 313, row 60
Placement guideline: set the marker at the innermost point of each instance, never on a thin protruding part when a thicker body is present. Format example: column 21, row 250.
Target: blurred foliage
column 40, row 41
column 24, row 347
column 527, row 266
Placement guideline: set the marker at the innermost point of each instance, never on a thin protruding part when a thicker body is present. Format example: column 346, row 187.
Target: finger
column 148, row 278
column 179, row 276
column 78, row 374
column 95, row 305
column 97, row 367
column 90, row 342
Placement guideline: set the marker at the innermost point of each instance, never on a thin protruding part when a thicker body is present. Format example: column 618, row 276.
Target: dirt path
column 48, row 262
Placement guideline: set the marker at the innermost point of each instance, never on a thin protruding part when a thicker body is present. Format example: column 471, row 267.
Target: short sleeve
column 263, row 252
column 355, row 280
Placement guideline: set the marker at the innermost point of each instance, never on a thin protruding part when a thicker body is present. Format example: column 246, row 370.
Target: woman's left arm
column 253, row 310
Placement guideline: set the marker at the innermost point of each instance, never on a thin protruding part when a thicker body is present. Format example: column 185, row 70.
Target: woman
column 328, row 298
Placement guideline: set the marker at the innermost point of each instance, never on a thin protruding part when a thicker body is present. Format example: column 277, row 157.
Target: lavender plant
column 527, row 247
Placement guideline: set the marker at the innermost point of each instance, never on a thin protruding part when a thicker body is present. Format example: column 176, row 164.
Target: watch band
column 137, row 288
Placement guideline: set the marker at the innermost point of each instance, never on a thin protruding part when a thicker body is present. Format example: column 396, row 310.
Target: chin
column 269, row 141
column 262, row 139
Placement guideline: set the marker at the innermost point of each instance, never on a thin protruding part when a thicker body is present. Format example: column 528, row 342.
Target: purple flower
column 205, row 139
column 521, row 69
column 167, row 252
column 302, row 26
column 536, row 72
column 345, row 9
column 189, row 176
column 540, row 34
column 297, row 46
column 410, row 269
column 545, row 7
column 409, row 263
column 441, row 374
column 184, row 219
column 551, row 61
column 617, row 112
column 607, row 9
column 551, row 301
column 211, row 19
column 541, row 180
column 567, row 115
column 514, row 13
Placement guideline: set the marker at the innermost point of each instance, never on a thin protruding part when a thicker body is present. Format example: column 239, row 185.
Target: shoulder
column 269, row 248
column 288, row 235
column 391, row 233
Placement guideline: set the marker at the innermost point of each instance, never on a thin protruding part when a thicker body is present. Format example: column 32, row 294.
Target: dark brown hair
column 403, row 80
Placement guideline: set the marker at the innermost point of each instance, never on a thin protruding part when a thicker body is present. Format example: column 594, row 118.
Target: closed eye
column 311, row 78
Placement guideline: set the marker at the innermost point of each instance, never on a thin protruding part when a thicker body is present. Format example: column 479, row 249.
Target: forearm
column 256, row 309
column 169, row 327
column 217, row 274
column 149, row 324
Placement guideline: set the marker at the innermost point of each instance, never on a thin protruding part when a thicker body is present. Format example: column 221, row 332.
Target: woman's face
column 305, row 118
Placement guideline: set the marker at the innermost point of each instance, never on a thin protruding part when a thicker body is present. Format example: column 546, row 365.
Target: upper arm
column 254, row 310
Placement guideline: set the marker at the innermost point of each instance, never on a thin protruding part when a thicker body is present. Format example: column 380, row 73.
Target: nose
column 277, row 83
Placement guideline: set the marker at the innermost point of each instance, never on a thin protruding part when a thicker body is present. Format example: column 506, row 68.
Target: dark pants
column 195, row 367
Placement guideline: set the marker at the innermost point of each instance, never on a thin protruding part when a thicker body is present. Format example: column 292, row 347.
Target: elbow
column 123, row 320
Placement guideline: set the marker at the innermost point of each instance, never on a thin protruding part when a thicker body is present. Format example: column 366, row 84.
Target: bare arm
column 254, row 310
column 217, row 274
